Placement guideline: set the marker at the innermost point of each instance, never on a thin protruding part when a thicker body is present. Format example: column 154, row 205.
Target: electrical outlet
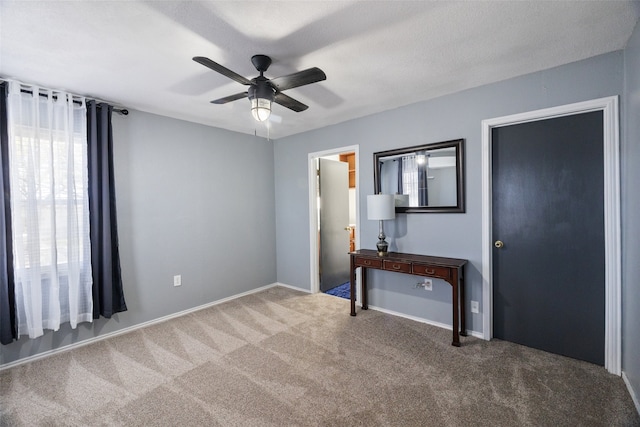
column 475, row 307
column 427, row 284
column 177, row 280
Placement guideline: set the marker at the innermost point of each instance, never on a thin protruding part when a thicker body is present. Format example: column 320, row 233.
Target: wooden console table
column 449, row 269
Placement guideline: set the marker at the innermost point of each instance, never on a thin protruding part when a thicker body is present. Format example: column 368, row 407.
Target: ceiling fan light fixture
column 260, row 109
column 261, row 97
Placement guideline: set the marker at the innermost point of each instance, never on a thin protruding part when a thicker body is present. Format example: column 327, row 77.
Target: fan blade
column 222, row 70
column 301, row 78
column 230, row 98
column 290, row 103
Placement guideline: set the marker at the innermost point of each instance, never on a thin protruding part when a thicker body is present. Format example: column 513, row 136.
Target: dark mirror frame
column 458, row 144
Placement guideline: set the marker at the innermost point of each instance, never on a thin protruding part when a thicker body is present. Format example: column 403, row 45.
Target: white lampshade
column 381, row 206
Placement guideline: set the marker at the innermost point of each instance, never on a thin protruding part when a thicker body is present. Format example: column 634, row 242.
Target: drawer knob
column 396, row 267
column 429, row 271
column 367, row 262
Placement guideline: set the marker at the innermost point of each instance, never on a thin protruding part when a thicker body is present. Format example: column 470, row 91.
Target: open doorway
column 333, row 213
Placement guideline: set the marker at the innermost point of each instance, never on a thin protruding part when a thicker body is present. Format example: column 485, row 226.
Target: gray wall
column 192, row 200
column 452, row 235
column 630, row 217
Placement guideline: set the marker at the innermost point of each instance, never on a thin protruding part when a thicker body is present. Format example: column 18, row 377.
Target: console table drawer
column 368, row 262
column 402, row 267
column 430, row 270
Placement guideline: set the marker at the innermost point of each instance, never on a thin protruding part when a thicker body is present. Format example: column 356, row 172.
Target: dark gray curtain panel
column 423, row 194
column 108, row 294
column 8, row 330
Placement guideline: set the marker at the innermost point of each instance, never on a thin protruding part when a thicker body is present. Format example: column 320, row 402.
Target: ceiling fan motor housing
column 261, row 89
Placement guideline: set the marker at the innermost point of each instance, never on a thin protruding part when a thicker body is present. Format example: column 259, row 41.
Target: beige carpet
column 286, row 358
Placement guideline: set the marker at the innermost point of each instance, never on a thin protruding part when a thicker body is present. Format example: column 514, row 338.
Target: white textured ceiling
column 376, row 55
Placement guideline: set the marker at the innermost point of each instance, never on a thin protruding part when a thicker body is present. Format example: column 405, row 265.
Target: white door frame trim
column 313, row 208
column 611, row 144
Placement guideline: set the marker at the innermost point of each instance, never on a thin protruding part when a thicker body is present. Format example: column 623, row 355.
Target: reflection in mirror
column 427, row 178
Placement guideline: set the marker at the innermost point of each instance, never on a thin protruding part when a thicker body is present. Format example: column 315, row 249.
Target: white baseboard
column 135, row 327
column 632, row 392
column 423, row 320
column 295, row 288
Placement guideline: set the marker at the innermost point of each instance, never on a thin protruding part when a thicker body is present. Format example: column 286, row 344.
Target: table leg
column 352, row 287
column 365, row 303
column 455, row 302
column 463, row 326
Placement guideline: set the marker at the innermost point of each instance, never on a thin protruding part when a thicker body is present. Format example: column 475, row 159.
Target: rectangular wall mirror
column 424, row 178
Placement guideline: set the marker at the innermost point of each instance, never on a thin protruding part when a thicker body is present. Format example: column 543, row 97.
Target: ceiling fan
column 263, row 91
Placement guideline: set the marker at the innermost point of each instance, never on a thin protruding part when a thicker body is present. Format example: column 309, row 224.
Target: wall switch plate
column 475, row 307
column 428, row 284
column 177, row 280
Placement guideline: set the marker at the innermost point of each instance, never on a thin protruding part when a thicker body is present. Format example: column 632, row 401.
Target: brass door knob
column 498, row 244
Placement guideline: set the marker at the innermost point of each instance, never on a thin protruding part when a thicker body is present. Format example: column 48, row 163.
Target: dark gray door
column 334, row 218
column 548, row 212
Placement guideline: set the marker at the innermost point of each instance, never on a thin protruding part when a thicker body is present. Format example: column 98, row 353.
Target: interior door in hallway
column 548, row 229
column 334, row 220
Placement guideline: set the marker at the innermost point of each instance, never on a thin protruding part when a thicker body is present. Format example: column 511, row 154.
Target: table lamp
column 381, row 207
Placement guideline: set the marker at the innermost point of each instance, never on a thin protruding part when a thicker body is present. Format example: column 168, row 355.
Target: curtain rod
column 122, row 111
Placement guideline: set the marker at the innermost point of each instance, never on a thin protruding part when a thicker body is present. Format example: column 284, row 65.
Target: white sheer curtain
column 49, row 208
column 410, row 179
